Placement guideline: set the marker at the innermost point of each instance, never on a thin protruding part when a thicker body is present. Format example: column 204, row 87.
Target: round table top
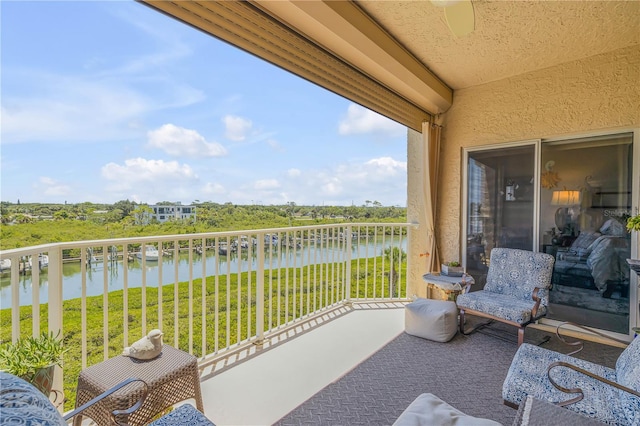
column 447, row 283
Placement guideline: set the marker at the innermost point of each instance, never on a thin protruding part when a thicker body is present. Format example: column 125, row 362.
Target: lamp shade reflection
column 565, row 198
column 564, row 217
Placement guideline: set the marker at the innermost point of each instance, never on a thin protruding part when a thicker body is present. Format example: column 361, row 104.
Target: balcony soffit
column 510, row 37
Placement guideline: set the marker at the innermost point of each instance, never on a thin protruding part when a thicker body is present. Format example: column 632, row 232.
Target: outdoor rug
column 466, row 372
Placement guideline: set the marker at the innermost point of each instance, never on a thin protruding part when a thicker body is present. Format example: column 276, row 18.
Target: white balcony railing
column 209, row 293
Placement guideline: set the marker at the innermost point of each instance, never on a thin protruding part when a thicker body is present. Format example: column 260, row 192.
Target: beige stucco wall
column 594, row 94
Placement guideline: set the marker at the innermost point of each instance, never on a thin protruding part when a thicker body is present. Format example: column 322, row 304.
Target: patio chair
column 22, row 403
column 517, row 290
column 609, row 395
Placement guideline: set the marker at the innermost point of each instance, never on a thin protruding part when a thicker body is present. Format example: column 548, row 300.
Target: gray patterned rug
column 466, row 372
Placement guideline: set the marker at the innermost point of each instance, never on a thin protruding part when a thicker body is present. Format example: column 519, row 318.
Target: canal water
column 115, row 271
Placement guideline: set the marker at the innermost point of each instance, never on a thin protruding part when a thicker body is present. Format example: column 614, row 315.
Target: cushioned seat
column 429, row 410
column 516, row 292
column 431, row 319
column 527, row 375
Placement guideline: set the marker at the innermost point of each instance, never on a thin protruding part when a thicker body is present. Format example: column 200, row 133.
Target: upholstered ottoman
column 431, row 319
column 429, row 410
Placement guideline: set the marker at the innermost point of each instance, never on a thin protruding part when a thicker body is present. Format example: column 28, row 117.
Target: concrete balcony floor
column 261, row 385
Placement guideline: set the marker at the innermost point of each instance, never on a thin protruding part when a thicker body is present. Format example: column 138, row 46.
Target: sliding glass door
column 570, row 199
column 585, row 200
column 500, row 204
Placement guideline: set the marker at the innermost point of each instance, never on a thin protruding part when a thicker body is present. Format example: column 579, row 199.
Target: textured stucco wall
column 594, row 94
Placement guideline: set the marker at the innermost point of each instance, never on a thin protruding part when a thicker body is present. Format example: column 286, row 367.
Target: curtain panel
column 431, row 141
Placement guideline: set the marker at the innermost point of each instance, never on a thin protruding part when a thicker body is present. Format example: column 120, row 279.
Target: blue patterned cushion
column 518, row 272
column 513, row 276
column 628, row 374
column 22, row 404
column 184, row 415
column 500, row 305
column 528, row 376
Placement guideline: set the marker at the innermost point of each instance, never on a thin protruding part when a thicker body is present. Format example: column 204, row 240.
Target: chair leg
column 461, row 319
column 520, row 336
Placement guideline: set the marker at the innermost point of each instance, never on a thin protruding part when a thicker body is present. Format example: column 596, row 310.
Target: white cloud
column 360, row 120
column 383, row 179
column 178, row 141
column 84, row 108
column 266, row 184
column 386, row 167
column 50, row 187
column 275, row 145
column 211, row 188
column 149, row 180
column 236, row 128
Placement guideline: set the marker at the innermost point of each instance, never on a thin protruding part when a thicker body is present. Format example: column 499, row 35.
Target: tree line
column 28, row 224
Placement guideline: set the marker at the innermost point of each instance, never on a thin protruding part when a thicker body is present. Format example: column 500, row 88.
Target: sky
column 108, row 101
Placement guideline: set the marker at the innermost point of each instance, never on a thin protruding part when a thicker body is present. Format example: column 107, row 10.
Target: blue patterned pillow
column 22, row 403
column 628, row 374
column 518, row 272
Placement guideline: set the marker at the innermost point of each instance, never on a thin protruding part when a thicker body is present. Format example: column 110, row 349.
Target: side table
column 171, row 377
column 450, row 286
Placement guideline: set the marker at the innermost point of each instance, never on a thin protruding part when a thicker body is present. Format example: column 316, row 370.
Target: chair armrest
column 534, row 296
column 108, row 392
column 578, row 390
column 580, row 343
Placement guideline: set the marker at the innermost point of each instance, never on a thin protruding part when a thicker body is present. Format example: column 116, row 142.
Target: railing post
column 260, row 291
column 15, row 299
column 409, row 256
column 348, row 269
column 55, row 306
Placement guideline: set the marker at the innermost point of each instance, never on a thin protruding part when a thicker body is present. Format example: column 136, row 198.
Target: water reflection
column 110, row 272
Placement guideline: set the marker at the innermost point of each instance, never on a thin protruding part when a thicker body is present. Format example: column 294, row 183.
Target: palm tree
column 396, row 256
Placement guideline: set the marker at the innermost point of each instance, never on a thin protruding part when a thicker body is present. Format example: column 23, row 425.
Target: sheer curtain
column 431, row 138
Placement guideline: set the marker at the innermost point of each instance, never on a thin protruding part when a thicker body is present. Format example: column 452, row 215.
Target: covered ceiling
column 510, row 37
column 400, row 58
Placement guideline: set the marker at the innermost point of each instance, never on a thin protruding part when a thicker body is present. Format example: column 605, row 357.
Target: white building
column 163, row 212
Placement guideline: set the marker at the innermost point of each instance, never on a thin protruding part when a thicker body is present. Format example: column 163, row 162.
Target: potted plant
column 633, row 224
column 33, row 359
column 451, row 269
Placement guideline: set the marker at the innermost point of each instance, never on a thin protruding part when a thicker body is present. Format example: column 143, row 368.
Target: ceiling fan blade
column 460, row 18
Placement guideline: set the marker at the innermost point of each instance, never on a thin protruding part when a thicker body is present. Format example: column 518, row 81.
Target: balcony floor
column 356, row 366
column 259, row 390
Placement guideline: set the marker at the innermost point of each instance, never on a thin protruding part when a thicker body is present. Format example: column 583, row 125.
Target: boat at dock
column 5, row 265
column 43, row 261
column 150, row 253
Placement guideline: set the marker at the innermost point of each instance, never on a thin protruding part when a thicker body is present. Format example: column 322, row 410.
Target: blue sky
column 106, row 101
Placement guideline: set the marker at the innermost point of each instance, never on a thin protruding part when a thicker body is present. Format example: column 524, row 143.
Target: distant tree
column 114, row 215
column 126, row 206
column 61, row 215
column 141, row 214
column 21, row 218
column 395, row 255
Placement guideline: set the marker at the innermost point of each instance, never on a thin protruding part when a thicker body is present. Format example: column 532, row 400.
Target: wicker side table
column 171, row 377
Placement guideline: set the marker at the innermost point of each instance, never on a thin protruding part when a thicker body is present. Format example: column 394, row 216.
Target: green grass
column 304, row 283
